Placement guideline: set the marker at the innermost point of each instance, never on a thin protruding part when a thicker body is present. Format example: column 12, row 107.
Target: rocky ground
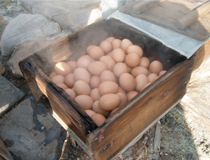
column 29, row 131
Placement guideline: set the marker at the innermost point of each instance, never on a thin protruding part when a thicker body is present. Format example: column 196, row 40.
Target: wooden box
column 124, row 127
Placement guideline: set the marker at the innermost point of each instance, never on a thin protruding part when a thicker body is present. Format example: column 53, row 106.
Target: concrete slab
column 30, row 132
column 9, row 95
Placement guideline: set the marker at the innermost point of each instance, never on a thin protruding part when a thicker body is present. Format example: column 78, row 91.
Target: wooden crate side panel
column 133, row 119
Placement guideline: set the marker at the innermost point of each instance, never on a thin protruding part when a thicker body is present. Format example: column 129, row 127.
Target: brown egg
column 121, row 90
column 99, row 119
column 70, row 92
column 107, row 76
column 110, row 39
column 108, row 61
column 53, row 74
column 129, row 69
column 114, row 110
column 152, row 77
column 96, row 52
column 73, row 65
column 141, row 80
column 97, row 109
column 127, row 82
column 62, row 85
column 106, row 46
column 139, row 70
column 81, row 87
column 58, row 79
column 62, row 68
column 156, row 66
column 119, row 69
column 116, row 43
column 109, row 102
column 81, row 74
column 162, row 72
column 136, row 49
column 132, row 59
column 89, row 47
column 107, row 87
column 125, row 44
column 131, row 94
column 84, row 101
column 109, row 54
column 90, row 112
column 95, row 81
column 144, row 62
column 69, row 80
column 97, row 67
column 145, row 86
column 84, row 61
column 118, row 55
column 94, row 94
column 123, row 98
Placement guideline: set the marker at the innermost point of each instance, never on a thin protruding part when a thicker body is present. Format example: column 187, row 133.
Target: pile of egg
column 106, row 77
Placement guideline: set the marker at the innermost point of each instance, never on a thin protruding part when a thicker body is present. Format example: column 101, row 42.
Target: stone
column 30, row 137
column 27, row 49
column 9, row 95
column 26, row 27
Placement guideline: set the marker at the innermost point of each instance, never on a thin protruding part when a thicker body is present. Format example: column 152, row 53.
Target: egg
column 131, row 94
column 94, row 94
column 119, row 69
column 84, row 61
column 81, row 74
column 135, row 49
column 84, row 101
column 116, row 43
column 107, row 76
column 62, row 85
column 62, row 68
column 118, row 55
column 162, row 72
column 125, row 44
column 97, row 109
column 144, row 62
column 141, row 80
column 94, row 81
column 58, row 79
column 114, row 110
column 123, row 98
column 96, row 52
column 69, row 80
column 107, row 87
column 108, row 61
column 90, row 112
column 81, row 87
column 53, row 74
column 145, row 86
column 132, row 59
column 127, row 82
column 70, row 92
column 89, row 47
column 121, row 90
column 97, row 67
column 109, row 102
column 152, row 77
column 110, row 39
column 106, row 46
column 139, row 70
column 156, row 66
column 99, row 119
column 73, row 65
column 109, row 54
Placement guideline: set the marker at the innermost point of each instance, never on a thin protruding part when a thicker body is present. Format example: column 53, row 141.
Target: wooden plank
column 121, row 128
column 168, row 13
column 4, row 153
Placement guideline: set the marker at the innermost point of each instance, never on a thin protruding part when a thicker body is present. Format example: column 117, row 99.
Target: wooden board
column 169, row 13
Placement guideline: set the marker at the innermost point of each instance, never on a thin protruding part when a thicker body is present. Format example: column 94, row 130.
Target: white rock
column 26, row 27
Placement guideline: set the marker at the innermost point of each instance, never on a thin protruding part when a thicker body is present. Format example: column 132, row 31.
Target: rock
column 27, row 49
column 28, row 136
column 26, row 27
column 2, row 68
column 9, row 95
